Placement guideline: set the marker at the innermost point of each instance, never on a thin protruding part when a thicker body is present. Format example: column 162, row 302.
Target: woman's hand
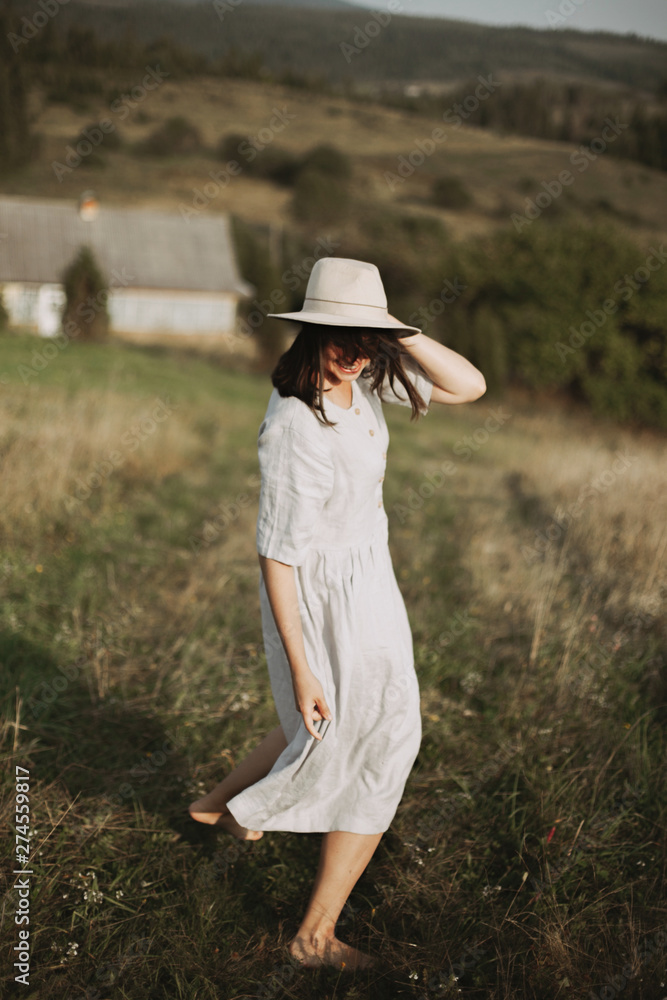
column 455, row 379
column 281, row 589
column 309, row 700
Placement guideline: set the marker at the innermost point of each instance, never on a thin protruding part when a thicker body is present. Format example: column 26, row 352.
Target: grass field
column 527, row 856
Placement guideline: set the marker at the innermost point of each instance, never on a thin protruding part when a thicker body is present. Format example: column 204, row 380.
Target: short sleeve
column 420, row 380
column 297, row 480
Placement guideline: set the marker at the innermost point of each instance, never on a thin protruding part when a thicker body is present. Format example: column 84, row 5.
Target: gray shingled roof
column 39, row 237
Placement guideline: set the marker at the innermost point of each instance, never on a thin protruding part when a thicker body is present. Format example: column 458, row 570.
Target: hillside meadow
column 501, row 172
column 527, row 857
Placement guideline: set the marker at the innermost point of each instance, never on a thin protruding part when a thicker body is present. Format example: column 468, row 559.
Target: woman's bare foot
column 200, row 811
column 311, row 953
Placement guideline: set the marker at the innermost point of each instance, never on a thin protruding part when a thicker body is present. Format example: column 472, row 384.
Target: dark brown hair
column 300, row 371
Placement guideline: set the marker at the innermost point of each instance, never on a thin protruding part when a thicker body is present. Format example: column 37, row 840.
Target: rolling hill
column 311, row 42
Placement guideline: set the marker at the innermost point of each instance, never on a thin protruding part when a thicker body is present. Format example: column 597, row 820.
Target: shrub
column 257, row 267
column 85, row 299
column 319, row 200
column 175, row 137
column 329, row 161
column 110, row 140
column 451, row 192
column 570, row 307
column 271, row 163
column 4, row 315
column 74, row 87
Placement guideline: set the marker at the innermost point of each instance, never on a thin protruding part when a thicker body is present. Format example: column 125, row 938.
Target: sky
column 644, row 17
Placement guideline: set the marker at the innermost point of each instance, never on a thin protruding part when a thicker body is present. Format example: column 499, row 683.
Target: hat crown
column 347, row 282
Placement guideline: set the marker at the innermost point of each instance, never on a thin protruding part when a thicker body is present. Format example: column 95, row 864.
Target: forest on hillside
column 399, row 48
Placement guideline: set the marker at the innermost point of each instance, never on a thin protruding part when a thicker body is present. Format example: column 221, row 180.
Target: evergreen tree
column 85, row 315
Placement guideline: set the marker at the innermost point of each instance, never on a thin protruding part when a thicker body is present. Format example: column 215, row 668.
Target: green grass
column 528, row 851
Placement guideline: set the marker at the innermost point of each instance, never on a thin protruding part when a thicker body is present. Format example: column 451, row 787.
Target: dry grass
column 529, row 846
column 57, row 451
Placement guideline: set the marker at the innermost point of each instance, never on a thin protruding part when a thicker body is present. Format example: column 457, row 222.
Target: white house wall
column 131, row 310
column 137, row 311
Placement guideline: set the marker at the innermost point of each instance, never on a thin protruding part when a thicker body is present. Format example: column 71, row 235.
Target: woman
column 336, row 631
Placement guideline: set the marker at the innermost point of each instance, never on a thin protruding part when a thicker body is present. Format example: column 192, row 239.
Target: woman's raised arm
column 455, row 379
column 281, row 591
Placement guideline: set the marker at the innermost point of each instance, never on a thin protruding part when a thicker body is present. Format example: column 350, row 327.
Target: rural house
column 165, row 275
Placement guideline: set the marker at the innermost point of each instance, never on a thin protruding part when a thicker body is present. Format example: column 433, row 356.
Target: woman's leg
column 343, row 858
column 212, row 808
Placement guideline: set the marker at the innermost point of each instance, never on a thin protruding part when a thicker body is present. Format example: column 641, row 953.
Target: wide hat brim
column 386, row 322
column 344, row 292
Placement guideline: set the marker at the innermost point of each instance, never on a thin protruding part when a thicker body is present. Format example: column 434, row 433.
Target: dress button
column 380, row 504
column 381, row 479
column 384, row 454
column 357, row 410
column 371, row 433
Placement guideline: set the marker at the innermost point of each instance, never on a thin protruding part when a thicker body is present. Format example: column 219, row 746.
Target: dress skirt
column 359, row 646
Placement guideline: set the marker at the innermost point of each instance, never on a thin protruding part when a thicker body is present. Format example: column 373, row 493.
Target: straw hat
column 343, row 292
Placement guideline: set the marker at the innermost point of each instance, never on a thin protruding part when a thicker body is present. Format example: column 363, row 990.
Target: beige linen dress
column 321, row 511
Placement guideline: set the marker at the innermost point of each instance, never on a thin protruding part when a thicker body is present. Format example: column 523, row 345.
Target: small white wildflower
column 119, row 893
column 413, row 975
column 471, row 681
